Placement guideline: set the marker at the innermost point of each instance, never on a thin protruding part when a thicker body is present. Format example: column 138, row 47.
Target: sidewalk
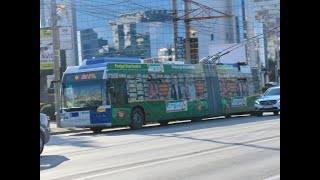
column 55, row 130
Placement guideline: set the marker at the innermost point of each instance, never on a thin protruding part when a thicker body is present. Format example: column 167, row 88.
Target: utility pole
column 175, row 28
column 56, row 59
column 278, row 57
column 250, row 33
column 202, row 15
column 244, row 27
column 187, row 28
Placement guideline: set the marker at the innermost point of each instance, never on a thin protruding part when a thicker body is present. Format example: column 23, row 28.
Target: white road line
column 45, row 165
column 173, row 159
column 273, row 177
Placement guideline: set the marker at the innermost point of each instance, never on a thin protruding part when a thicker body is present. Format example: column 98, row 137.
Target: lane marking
column 173, row 159
column 273, row 177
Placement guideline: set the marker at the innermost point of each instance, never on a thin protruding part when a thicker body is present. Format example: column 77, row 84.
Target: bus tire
column 96, row 130
column 275, row 112
column 197, row 119
column 163, row 123
column 259, row 114
column 227, row 116
column 137, row 119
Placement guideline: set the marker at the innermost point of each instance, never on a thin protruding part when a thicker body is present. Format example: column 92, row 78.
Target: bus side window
column 242, row 87
column 119, row 92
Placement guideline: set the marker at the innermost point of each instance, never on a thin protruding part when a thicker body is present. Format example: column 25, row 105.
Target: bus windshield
column 82, row 94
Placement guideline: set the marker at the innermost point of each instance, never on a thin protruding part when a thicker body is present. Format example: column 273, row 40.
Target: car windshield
column 272, row 92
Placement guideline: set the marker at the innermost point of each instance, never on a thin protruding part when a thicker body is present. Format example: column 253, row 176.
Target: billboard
column 66, row 22
column 236, row 55
column 46, row 49
column 65, row 34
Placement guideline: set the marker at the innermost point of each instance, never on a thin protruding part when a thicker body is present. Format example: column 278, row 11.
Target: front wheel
column 197, row 119
column 163, row 123
column 96, row 130
column 275, row 112
column 137, row 119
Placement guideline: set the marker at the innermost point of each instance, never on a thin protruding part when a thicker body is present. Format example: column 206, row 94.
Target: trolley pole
column 56, row 59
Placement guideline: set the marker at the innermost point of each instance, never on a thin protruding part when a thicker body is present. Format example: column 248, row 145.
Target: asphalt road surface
column 242, row 147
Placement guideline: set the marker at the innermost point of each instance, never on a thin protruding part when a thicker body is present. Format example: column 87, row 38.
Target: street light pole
column 56, row 59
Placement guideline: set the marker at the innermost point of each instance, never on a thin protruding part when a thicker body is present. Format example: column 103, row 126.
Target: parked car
column 268, row 102
column 44, row 130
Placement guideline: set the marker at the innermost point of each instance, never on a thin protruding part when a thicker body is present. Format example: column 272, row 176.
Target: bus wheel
column 163, row 123
column 96, row 130
column 227, row 116
column 197, row 119
column 259, row 114
column 137, row 119
column 275, row 112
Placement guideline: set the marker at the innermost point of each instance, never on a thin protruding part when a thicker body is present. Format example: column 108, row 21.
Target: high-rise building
column 89, row 43
column 136, row 28
column 267, row 12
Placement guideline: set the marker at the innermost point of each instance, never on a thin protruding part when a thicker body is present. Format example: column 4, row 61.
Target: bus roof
column 100, row 60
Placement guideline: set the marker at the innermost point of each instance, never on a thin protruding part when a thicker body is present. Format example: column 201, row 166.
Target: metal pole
column 56, row 59
column 250, row 34
column 187, row 28
column 175, row 28
column 278, row 57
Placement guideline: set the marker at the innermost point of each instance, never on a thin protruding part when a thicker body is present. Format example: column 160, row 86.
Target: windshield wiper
column 84, row 108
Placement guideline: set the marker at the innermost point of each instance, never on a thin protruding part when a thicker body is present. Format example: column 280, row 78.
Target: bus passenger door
column 118, row 99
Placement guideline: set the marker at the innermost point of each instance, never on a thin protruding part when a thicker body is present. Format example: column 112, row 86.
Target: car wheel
column 41, row 143
column 259, row 113
column 163, row 123
column 275, row 112
column 227, row 116
column 137, row 119
column 96, row 130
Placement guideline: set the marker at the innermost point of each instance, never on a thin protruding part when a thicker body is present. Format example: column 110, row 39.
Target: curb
column 69, row 131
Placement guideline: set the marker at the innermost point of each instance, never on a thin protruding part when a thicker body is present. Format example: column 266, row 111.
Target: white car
column 268, row 102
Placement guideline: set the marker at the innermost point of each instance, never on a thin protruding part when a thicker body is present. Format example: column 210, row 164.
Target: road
column 242, row 147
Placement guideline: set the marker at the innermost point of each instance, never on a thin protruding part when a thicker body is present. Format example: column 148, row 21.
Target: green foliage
column 41, row 105
column 49, row 110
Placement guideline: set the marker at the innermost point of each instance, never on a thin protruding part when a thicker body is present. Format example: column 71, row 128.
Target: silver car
column 44, row 131
column 268, row 102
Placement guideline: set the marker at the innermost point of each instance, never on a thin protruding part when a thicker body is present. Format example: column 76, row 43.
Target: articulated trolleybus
column 110, row 92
